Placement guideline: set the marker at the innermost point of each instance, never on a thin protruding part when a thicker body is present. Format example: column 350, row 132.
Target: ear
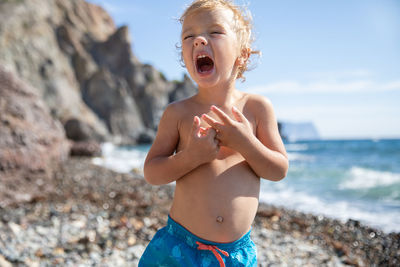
column 244, row 56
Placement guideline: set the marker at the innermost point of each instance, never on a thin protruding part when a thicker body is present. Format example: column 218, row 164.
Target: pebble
column 74, row 228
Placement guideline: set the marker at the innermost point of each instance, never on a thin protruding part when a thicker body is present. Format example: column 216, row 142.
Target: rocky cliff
column 67, row 72
column 84, row 69
column 32, row 143
column 298, row 131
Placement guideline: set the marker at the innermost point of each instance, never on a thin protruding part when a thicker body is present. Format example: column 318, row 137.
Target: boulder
column 79, row 131
column 85, row 149
column 32, row 143
column 146, row 137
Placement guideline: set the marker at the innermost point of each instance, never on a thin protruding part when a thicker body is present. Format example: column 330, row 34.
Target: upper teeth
column 202, row 56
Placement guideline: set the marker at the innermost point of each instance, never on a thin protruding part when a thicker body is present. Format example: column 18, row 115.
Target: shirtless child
column 216, row 145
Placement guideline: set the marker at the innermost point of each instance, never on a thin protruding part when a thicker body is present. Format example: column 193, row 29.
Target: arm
column 162, row 165
column 264, row 152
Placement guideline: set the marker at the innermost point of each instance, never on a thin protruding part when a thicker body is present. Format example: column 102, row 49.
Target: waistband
column 187, row 237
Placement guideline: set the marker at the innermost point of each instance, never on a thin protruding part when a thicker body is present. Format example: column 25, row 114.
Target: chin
column 206, row 83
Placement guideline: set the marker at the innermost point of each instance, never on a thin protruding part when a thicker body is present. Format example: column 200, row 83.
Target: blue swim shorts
column 173, row 245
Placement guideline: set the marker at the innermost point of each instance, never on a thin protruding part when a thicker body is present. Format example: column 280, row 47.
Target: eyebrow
column 210, row 26
column 185, row 31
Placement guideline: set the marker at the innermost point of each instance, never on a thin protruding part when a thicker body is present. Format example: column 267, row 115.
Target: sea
column 341, row 179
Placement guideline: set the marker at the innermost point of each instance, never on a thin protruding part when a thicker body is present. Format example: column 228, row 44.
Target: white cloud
column 337, row 81
column 331, row 100
column 341, row 74
column 329, row 86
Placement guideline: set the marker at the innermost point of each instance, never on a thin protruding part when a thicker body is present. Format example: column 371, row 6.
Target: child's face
column 210, row 47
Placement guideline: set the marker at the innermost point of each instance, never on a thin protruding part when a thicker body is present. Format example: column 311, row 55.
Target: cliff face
column 32, row 143
column 83, row 68
column 299, row 131
column 66, row 71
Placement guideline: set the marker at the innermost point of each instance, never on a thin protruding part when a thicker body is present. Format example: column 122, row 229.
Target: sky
column 333, row 63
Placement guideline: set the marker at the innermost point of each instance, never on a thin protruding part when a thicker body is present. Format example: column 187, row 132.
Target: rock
column 183, row 89
column 145, row 84
column 78, row 130
column 4, row 262
column 298, row 131
column 32, row 143
column 108, row 96
column 146, row 137
column 153, row 97
column 31, row 47
column 137, row 251
column 85, row 149
column 83, row 67
column 70, row 229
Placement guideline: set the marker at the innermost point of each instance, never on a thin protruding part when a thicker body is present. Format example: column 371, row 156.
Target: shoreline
column 96, row 216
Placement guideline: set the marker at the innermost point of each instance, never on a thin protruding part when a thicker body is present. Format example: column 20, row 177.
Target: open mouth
column 204, row 64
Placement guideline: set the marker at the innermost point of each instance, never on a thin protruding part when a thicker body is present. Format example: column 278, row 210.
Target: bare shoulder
column 267, row 126
column 178, row 107
column 258, row 105
column 175, row 111
column 174, row 116
column 167, row 136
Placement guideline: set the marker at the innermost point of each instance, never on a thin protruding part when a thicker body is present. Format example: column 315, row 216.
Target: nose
column 200, row 40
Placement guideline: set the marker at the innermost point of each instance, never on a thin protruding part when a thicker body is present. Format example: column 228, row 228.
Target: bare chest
column 186, row 122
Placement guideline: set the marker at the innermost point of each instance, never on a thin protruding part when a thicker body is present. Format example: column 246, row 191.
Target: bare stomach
column 217, row 201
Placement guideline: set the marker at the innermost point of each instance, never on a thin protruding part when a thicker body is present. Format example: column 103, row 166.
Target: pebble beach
column 97, row 217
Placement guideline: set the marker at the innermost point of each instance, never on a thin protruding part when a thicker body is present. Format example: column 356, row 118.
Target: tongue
column 205, row 67
column 205, row 64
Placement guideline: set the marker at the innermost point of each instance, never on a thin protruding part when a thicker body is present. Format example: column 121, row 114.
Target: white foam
column 299, row 157
column 119, row 159
column 282, row 195
column 362, row 178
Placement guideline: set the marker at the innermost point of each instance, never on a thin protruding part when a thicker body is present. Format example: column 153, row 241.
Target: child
column 216, row 145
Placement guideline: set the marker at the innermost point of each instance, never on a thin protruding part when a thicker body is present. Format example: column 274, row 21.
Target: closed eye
column 187, row 37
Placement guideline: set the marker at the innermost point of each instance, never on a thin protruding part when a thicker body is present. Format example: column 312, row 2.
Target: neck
column 222, row 96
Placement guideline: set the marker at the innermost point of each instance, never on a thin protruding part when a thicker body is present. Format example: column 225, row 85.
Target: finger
column 203, row 131
column 238, row 115
column 222, row 115
column 216, row 141
column 196, row 126
column 212, row 132
column 212, row 122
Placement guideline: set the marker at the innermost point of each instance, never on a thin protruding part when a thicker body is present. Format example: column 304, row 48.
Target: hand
column 230, row 132
column 202, row 144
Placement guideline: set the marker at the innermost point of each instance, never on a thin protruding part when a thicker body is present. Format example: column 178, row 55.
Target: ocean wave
column 299, row 157
column 120, row 159
column 284, row 196
column 296, row 147
column 362, row 178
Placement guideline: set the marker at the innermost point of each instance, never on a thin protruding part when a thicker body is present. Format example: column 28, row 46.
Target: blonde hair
column 242, row 26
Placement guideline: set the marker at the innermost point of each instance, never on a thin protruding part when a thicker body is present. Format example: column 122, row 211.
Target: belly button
column 220, row 219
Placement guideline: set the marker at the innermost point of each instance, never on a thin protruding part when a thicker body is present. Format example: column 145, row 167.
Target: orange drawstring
column 214, row 249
